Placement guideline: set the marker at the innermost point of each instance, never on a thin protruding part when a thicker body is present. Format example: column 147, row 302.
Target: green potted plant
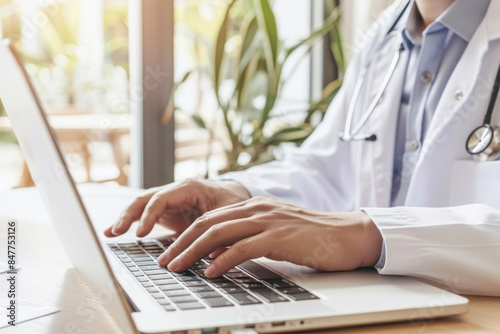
column 255, row 66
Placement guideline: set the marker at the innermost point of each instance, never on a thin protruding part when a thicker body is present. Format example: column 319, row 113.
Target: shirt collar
column 462, row 18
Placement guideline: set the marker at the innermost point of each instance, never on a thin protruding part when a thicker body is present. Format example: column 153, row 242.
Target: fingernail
column 175, row 264
column 161, row 260
column 210, row 272
column 115, row 227
column 139, row 229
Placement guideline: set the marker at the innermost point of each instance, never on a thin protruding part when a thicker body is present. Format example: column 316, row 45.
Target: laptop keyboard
column 247, row 284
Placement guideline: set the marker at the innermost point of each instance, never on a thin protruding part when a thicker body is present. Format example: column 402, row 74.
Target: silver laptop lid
column 55, row 184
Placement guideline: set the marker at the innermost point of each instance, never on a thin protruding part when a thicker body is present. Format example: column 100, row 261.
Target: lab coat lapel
column 461, row 103
column 465, row 78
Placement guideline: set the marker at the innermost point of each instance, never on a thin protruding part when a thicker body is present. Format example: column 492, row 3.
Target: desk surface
column 49, row 279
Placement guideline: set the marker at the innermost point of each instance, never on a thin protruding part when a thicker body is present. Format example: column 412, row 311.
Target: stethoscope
column 349, row 135
column 483, row 143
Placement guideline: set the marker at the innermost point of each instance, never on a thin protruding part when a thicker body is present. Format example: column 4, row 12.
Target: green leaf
column 199, row 121
column 220, row 47
column 245, row 79
column 337, row 48
column 250, row 42
column 267, row 23
column 330, row 23
column 294, row 134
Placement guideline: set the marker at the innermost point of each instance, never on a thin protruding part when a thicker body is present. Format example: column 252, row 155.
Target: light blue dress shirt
column 433, row 55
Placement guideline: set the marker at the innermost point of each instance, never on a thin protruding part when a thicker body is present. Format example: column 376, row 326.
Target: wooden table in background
column 78, row 131
column 48, row 278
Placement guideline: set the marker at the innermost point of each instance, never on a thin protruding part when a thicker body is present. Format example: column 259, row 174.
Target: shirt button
column 414, row 144
column 459, row 95
column 426, row 77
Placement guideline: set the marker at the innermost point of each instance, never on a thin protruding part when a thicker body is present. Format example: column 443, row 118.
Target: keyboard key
column 158, row 295
column 132, row 248
column 152, row 289
column 138, row 274
column 147, row 284
column 142, row 279
column 157, row 277
column 252, row 285
column 163, row 301
column 238, row 275
column 200, row 272
column 185, row 273
column 218, row 302
column 279, row 283
column 258, row 271
column 208, row 294
column 137, row 254
column 202, row 288
column 183, row 299
column 155, row 267
column 188, row 278
column 195, row 283
column 148, row 243
column 164, row 281
column 175, row 293
column 126, row 244
column 153, row 245
column 245, row 298
column 142, row 259
column 232, row 289
column 171, row 287
column 155, row 252
column 302, row 296
column 190, row 306
column 129, row 264
column 223, row 284
column 245, row 280
column 295, row 289
column 147, row 262
column 217, row 280
column 200, row 266
column 158, row 273
column 134, row 269
column 169, row 308
column 269, row 295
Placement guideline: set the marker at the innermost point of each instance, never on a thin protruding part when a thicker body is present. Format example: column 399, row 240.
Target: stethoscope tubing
column 353, row 135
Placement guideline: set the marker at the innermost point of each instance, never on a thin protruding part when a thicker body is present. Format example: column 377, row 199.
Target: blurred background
column 249, row 79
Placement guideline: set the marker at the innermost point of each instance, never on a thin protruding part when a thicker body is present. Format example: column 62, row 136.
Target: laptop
column 258, row 296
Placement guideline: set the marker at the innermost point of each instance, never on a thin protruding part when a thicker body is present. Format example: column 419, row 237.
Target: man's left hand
column 265, row 227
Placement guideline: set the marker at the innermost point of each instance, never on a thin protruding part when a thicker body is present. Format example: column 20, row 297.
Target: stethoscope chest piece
column 484, row 143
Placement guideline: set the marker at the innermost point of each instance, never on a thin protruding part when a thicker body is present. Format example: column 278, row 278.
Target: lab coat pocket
column 475, row 182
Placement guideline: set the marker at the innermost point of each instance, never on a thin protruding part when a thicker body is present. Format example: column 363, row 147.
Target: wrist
column 371, row 241
column 237, row 191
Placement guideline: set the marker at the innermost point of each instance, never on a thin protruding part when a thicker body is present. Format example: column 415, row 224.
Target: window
column 76, row 53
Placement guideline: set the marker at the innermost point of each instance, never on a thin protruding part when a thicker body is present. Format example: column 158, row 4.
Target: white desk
column 49, row 279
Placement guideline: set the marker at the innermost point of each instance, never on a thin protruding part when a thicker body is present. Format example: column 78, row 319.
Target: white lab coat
column 449, row 229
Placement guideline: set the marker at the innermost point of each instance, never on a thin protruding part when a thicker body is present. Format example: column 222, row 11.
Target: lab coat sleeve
column 458, row 247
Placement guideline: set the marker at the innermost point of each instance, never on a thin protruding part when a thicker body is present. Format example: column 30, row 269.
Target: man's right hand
column 176, row 206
